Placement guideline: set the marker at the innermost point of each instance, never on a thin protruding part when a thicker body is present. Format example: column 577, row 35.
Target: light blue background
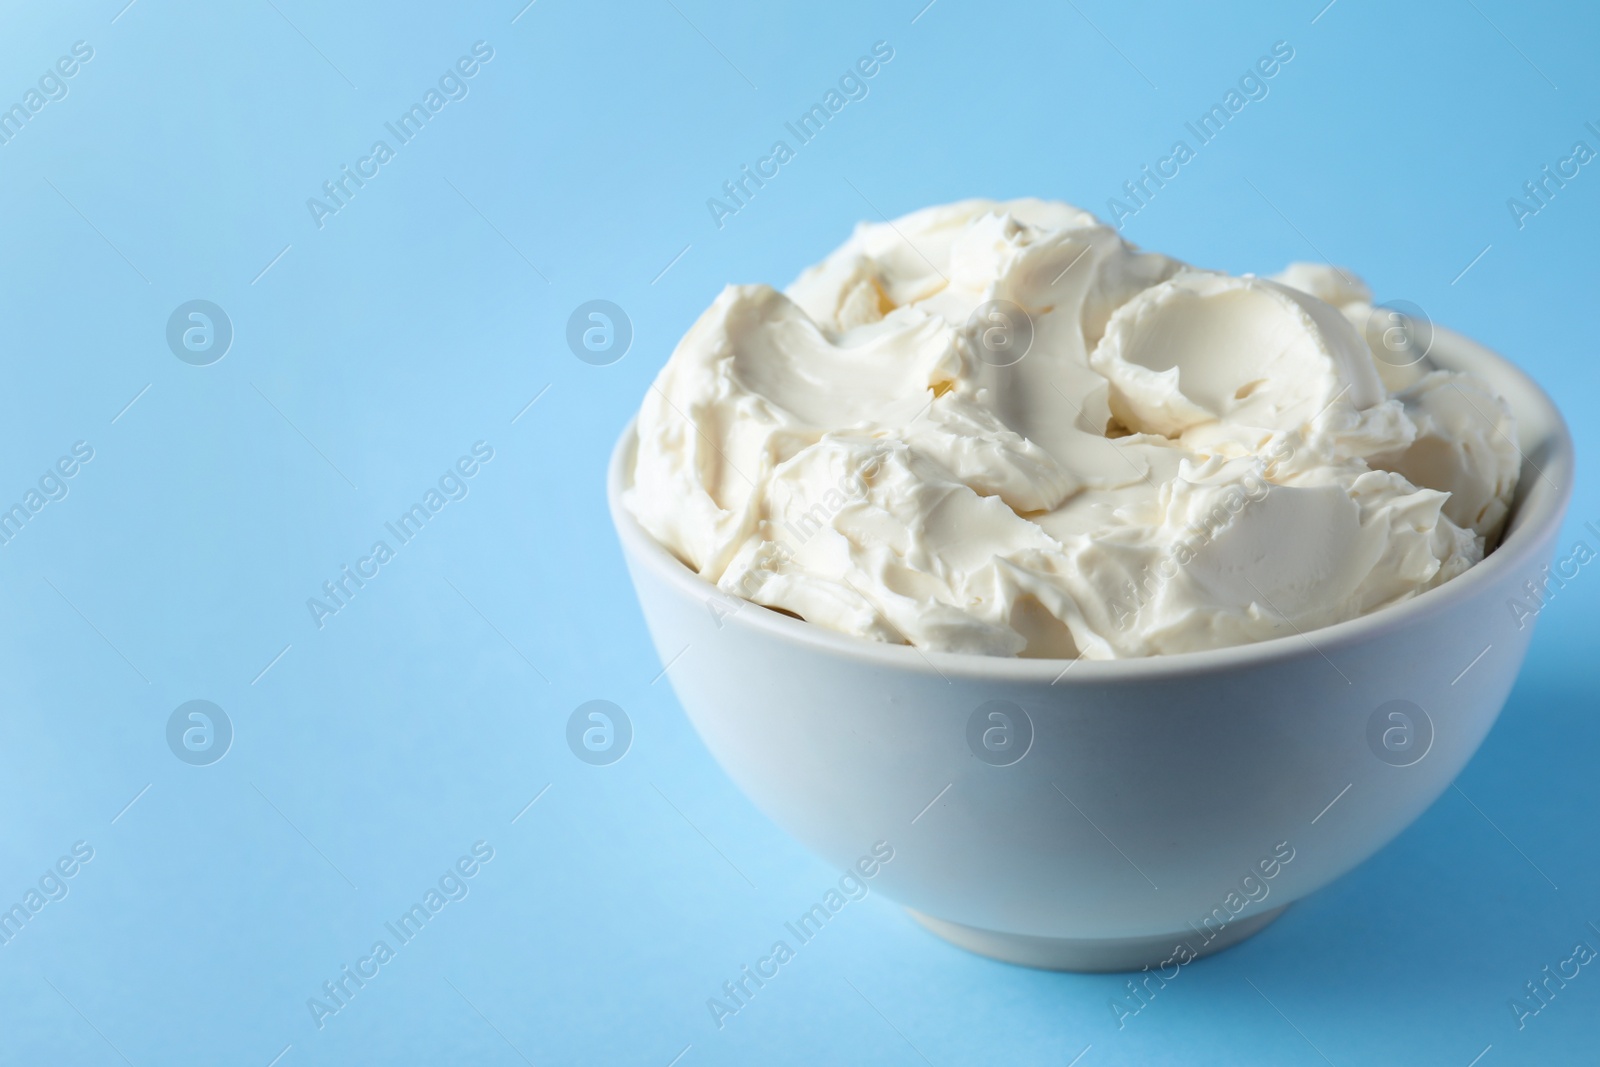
column 423, row 717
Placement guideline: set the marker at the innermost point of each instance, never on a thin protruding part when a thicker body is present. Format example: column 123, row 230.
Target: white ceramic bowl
column 1151, row 810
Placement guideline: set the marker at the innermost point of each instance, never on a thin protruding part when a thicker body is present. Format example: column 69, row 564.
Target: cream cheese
column 999, row 428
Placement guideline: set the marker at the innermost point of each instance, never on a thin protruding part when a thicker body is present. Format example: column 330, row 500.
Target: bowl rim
column 1535, row 517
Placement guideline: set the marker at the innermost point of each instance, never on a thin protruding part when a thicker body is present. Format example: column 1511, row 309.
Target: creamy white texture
column 1180, row 460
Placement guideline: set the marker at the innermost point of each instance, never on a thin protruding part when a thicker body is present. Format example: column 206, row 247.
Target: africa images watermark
column 53, row 485
column 1253, row 888
column 451, row 87
column 52, row 86
column 452, row 485
column 1537, row 592
column 1539, row 992
column 52, row 887
column 452, row 887
column 852, row 885
column 1253, row 489
column 1543, row 189
column 852, row 86
column 775, row 554
column 1252, row 86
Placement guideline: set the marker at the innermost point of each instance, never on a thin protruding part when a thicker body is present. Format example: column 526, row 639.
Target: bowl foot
column 1091, row 954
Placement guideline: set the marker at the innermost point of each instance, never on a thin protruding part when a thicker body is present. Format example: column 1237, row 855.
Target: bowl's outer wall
column 1144, row 802
column 1139, row 807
